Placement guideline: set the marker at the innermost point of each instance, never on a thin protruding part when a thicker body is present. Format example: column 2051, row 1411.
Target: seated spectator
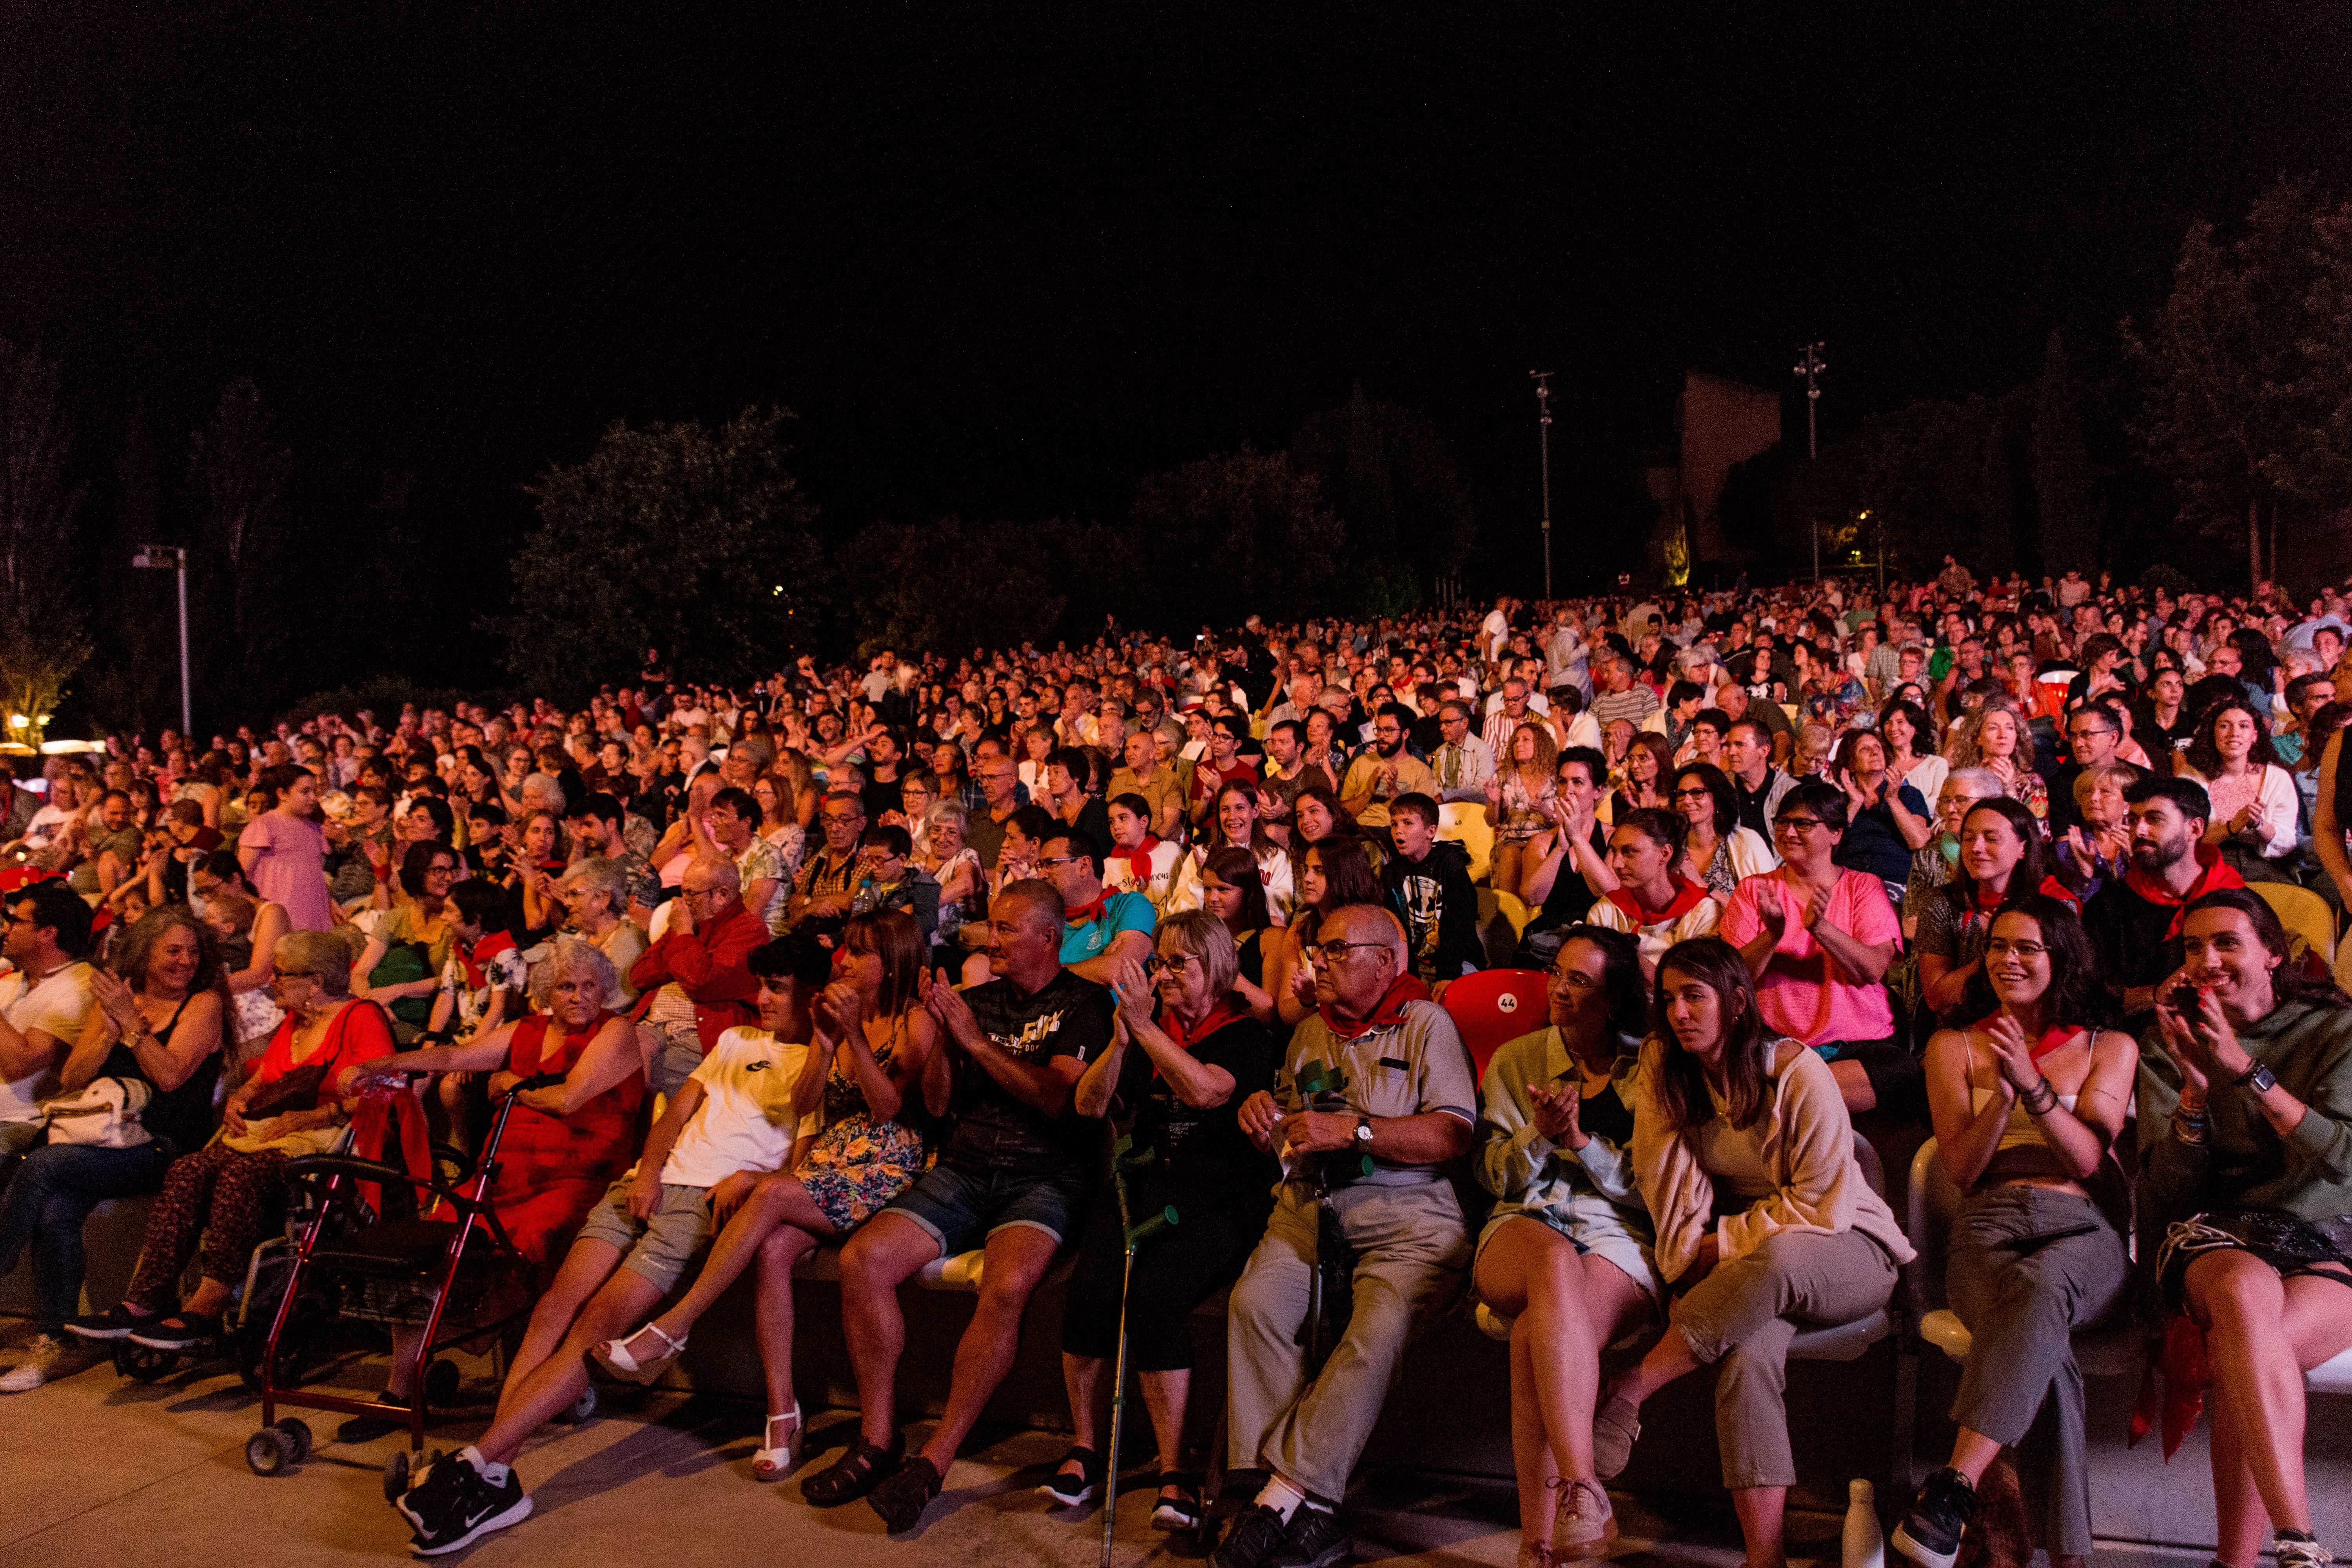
column 1565, row 1254
column 1138, row 860
column 1382, row 772
column 827, row 884
column 2001, row 857
column 731, row 833
column 696, row 982
column 1013, row 1180
column 594, row 826
column 595, row 893
column 1104, row 930
column 1576, row 872
column 888, row 879
column 1426, row 885
column 400, row 968
column 296, row 1101
column 1069, row 772
column 942, row 853
column 45, row 1002
column 1643, row 776
column 2256, row 814
column 871, row 1043
column 1237, row 823
column 1224, row 765
column 1233, row 890
column 1886, row 820
column 116, row 848
column 1519, row 803
column 1462, row 760
column 1302, row 1423
column 2027, row 1103
column 2242, row 1145
column 1177, row 1073
column 1763, row 1217
column 1331, row 876
column 729, row 1121
column 2135, row 921
column 156, row 1022
column 2098, row 847
column 1934, row 863
column 1999, row 745
column 1650, row 901
column 1720, row 850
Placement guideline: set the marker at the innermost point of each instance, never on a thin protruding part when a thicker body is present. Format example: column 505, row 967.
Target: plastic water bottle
column 1864, row 1547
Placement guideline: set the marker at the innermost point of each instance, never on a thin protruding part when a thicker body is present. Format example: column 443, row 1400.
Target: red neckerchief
column 472, row 959
column 1403, row 989
column 1687, row 895
column 1081, row 914
column 1138, row 861
column 2217, row 874
column 1985, row 907
column 2050, row 1038
column 1218, row 1016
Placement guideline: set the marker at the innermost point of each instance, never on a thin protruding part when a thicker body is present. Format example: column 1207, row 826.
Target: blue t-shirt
column 1121, row 911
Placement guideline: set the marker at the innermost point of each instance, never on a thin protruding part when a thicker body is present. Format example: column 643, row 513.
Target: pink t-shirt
column 1803, row 994
column 291, row 868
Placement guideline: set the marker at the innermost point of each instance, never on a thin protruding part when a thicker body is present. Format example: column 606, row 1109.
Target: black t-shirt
column 1196, row 1145
column 1571, row 897
column 2132, row 938
column 882, row 794
column 1069, row 1016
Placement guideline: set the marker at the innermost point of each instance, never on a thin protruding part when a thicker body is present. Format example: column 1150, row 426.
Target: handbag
column 101, row 1115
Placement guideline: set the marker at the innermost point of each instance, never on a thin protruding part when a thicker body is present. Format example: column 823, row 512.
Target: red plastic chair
column 1496, row 1005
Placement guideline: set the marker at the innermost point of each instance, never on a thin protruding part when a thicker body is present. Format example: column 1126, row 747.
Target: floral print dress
column 857, row 1165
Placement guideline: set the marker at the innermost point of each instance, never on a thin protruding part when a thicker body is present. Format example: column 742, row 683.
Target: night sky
column 1004, row 259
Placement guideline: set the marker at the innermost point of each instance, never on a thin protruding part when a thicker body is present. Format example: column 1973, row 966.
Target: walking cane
column 1124, row 1157
column 1322, row 1085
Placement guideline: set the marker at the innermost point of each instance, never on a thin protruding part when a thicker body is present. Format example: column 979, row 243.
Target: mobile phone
column 2186, row 1001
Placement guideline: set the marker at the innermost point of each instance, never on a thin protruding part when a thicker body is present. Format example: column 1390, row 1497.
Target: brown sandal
column 855, row 1473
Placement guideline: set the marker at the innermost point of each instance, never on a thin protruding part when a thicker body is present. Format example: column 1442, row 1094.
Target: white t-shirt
column 744, row 1122
column 56, row 1007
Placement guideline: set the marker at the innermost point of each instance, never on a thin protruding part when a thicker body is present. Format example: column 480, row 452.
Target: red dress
column 552, row 1169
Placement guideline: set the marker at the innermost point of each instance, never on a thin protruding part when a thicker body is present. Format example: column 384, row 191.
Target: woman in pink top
column 1818, row 938
column 284, row 853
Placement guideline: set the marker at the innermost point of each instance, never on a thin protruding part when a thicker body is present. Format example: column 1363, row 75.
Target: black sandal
column 1184, row 1510
column 855, row 1473
column 1069, row 1491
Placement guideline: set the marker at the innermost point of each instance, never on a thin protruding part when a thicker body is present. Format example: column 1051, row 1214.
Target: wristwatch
column 1363, row 1132
column 2257, row 1079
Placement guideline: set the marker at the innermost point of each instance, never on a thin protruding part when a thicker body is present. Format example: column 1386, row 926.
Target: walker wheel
column 395, row 1476
column 268, row 1451
column 583, row 1408
column 298, row 1433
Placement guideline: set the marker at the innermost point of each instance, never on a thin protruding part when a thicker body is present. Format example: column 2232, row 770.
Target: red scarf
column 1080, row 914
column 2050, row 1038
column 1218, row 1016
column 1138, row 861
column 472, row 959
column 2217, row 874
column 1988, row 904
column 1687, row 897
column 1403, row 989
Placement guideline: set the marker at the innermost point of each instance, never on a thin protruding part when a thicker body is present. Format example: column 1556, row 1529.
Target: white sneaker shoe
column 1584, row 1523
column 45, row 1359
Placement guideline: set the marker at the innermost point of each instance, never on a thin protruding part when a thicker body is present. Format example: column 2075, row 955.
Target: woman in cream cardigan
column 1764, row 1221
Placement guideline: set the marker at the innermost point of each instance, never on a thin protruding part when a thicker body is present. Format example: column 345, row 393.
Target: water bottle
column 1864, row 1547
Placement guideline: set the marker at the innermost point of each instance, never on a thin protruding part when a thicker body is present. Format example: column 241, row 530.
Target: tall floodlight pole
column 172, row 558
column 1810, row 368
column 1543, row 446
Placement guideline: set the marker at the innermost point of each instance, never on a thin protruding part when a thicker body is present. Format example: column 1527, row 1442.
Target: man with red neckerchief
column 2135, row 920
column 1379, row 1141
column 1103, row 929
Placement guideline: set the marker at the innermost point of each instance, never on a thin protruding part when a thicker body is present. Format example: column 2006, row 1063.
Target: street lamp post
column 1810, row 368
column 1543, row 438
column 172, row 558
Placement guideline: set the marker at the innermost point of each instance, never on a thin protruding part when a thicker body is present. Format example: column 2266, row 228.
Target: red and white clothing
column 1151, row 870
column 1689, row 913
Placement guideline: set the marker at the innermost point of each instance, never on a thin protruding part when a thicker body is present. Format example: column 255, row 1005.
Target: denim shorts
column 961, row 1209
column 660, row 1247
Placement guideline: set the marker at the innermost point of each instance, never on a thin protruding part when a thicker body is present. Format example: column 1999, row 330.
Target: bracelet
column 2042, row 1102
column 2188, row 1129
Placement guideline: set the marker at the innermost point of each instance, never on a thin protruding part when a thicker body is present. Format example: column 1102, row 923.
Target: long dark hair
column 1747, row 1046
column 2206, row 757
column 1621, row 977
column 2288, row 981
column 2076, row 997
column 892, row 936
column 1347, row 880
column 1717, row 785
column 1237, row 867
column 1960, row 892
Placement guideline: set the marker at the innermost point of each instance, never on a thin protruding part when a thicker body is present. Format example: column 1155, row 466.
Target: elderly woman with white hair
column 595, row 894
column 577, row 1080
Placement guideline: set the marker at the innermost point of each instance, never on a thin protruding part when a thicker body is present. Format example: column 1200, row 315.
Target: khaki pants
column 1411, row 1249
column 1740, row 1319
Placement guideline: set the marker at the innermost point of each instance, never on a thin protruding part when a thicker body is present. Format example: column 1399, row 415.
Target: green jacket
column 2244, row 1163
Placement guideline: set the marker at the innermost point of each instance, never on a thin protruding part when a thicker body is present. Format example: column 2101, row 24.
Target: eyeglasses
column 2025, row 949
column 1176, row 963
column 1693, row 794
column 1057, row 860
column 1332, row 951
column 1796, row 823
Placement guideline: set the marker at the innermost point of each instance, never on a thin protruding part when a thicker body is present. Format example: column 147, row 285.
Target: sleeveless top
column 2022, row 1150
column 593, row 1144
column 180, row 1120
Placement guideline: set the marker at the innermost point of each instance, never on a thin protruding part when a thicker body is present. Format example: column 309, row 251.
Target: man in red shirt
column 697, row 981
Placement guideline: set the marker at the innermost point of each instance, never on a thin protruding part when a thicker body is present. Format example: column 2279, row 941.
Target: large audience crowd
column 869, row 959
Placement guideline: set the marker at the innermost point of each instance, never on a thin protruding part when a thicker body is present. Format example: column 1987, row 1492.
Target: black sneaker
column 1253, row 1539
column 1313, row 1540
column 115, row 1323
column 455, row 1505
column 902, row 1499
column 1931, row 1529
column 180, row 1332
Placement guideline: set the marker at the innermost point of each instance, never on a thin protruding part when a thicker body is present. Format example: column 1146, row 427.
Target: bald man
column 1379, row 1142
column 696, row 982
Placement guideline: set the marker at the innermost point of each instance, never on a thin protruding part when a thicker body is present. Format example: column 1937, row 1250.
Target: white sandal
column 775, row 1464
column 614, row 1355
